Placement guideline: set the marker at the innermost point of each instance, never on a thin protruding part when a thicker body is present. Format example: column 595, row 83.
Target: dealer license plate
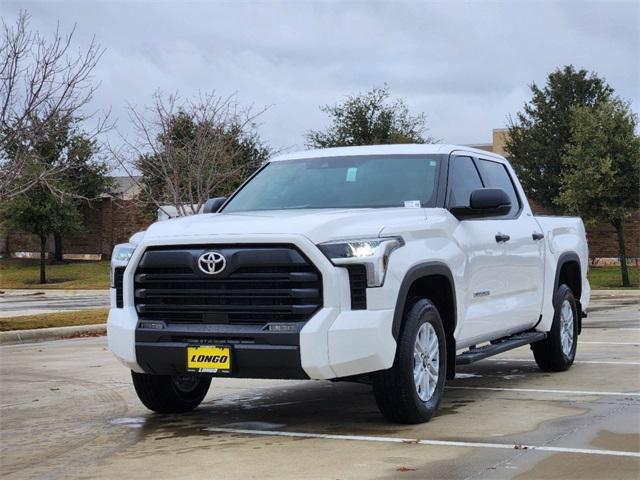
column 208, row 359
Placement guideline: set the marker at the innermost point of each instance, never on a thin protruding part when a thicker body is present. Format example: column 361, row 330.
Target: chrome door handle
column 501, row 238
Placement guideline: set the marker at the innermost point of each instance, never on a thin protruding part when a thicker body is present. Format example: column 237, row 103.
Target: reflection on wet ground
column 345, row 408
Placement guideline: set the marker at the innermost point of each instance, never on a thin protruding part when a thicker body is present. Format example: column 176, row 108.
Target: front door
column 482, row 301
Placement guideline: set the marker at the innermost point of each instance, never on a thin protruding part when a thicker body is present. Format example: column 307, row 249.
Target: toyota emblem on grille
column 212, row 263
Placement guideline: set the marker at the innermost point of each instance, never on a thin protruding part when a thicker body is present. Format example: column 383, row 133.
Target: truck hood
column 317, row 225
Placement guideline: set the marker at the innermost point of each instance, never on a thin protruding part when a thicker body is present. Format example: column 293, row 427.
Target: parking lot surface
column 68, row 410
column 34, row 302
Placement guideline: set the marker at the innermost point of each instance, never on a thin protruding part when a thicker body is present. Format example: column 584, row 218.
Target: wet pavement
column 68, row 410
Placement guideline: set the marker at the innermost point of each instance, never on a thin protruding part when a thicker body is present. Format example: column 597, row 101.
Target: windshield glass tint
column 340, row 182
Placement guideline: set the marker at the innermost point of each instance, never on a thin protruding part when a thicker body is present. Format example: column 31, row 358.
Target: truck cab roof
column 397, row 149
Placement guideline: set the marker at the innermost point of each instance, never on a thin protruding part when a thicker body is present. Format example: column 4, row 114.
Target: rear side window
column 495, row 175
column 463, row 179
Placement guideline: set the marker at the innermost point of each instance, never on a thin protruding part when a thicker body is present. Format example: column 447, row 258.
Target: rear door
column 521, row 267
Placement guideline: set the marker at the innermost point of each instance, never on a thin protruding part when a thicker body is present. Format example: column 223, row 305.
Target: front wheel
column 411, row 390
column 170, row 394
column 558, row 351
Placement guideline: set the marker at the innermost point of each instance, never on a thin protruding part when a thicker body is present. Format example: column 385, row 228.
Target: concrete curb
column 616, row 293
column 55, row 333
column 53, row 292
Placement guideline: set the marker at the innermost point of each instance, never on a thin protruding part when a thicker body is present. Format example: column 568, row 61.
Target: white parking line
column 603, row 362
column 609, row 343
column 444, row 443
column 540, row 390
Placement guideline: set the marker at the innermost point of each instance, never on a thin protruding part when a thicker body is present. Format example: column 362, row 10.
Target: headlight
column 373, row 253
column 122, row 253
column 120, row 258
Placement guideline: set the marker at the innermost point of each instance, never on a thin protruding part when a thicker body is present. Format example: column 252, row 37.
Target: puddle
column 239, row 401
column 132, row 422
column 255, row 425
column 451, row 408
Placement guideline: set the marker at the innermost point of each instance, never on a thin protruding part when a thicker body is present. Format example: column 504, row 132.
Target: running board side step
column 509, row 343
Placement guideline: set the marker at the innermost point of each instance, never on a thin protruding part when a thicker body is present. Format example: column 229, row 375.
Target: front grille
column 259, row 284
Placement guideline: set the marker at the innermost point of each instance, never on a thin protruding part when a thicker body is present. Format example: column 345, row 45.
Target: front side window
column 495, row 175
column 463, row 179
column 341, row 182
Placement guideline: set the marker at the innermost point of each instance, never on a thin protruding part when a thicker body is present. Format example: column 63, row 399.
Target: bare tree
column 189, row 151
column 42, row 84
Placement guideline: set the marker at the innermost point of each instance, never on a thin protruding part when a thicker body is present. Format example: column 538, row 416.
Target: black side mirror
column 213, row 204
column 484, row 202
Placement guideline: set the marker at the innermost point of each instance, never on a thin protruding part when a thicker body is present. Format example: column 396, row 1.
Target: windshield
column 341, row 182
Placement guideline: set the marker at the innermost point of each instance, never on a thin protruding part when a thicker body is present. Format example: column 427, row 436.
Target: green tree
column 39, row 212
column 371, row 118
column 539, row 136
column 192, row 151
column 601, row 179
column 63, row 158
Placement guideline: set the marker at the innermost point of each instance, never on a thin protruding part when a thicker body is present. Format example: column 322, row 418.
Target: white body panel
column 519, row 275
column 562, row 235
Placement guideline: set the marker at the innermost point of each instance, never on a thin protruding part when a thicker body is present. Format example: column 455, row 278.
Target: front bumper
column 256, row 353
column 331, row 344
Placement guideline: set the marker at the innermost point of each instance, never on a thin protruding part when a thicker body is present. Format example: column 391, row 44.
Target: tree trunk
column 57, row 242
column 622, row 253
column 43, row 253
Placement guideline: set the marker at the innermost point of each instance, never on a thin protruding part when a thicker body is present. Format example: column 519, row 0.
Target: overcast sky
column 467, row 65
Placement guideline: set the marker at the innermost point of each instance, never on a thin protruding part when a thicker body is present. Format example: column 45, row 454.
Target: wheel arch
column 433, row 281
column 569, row 272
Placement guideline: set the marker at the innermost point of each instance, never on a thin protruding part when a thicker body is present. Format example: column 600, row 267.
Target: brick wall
column 106, row 222
column 603, row 240
column 127, row 219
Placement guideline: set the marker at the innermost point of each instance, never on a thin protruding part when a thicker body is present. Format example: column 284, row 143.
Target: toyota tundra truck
column 390, row 265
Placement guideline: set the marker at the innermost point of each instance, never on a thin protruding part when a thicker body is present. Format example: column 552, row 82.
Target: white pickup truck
column 386, row 264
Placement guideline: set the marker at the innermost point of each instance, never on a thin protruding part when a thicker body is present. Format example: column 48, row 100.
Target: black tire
column 166, row 394
column 395, row 389
column 549, row 353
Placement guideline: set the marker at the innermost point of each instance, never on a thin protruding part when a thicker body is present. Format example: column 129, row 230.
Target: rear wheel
column 170, row 394
column 558, row 351
column 411, row 390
